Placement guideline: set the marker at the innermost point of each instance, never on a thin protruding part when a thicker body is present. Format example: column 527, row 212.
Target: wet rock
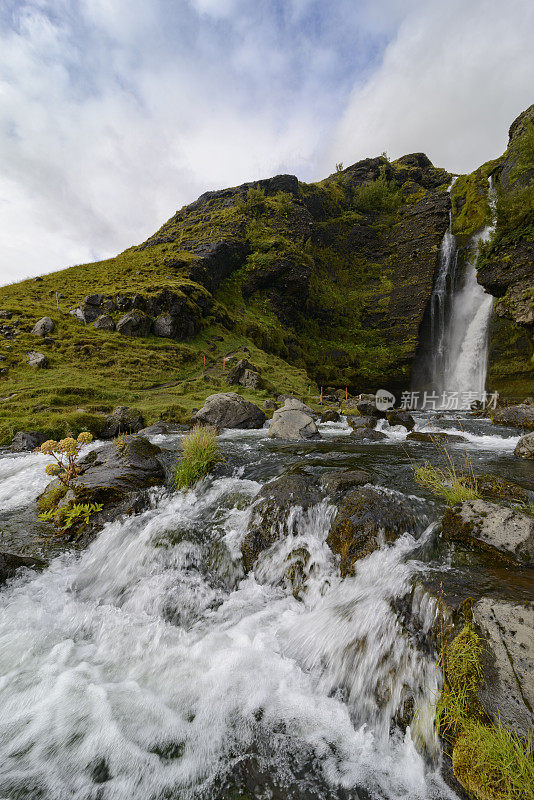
column 43, row 327
column 342, row 480
column 271, row 518
column 423, row 436
column 330, row 416
column 369, row 409
column 162, row 427
column 37, row 360
column 397, row 417
column 366, row 518
column 27, row 440
column 114, row 476
column 525, row 446
column 493, row 487
column 104, row 323
column 521, row 416
column 357, row 422
column 508, row 662
column 291, row 422
column 368, row 434
column 491, row 527
column 230, row 410
column 135, row 323
column 123, row 420
column 11, row 562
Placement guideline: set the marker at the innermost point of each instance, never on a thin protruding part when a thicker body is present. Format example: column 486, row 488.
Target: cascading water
column 149, row 667
column 459, row 324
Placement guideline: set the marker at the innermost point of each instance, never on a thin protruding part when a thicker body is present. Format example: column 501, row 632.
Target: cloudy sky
column 114, row 113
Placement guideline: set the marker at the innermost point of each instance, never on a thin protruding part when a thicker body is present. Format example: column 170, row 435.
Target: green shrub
column 199, row 455
column 66, row 454
column 70, row 516
column 379, row 195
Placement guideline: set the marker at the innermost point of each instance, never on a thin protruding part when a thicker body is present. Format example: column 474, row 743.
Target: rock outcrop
column 230, row 410
column 508, row 662
column 501, row 531
column 27, row 440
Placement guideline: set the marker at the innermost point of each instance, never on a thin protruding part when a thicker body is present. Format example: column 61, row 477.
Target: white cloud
column 115, row 113
column 450, row 84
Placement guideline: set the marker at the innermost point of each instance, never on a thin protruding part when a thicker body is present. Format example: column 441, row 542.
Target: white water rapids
column 148, row 666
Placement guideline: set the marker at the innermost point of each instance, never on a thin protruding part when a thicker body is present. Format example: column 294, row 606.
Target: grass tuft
column 447, row 483
column 493, row 763
column 199, row 455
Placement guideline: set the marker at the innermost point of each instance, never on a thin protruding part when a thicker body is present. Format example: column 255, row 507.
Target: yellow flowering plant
column 65, row 453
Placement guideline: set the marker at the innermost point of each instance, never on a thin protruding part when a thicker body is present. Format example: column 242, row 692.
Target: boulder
column 398, row 417
column 114, row 476
column 368, row 434
column 104, row 323
column 161, row 427
column 291, row 422
column 365, row 518
column 487, row 526
column 251, row 380
column 123, row 420
column 230, row 410
column 427, row 436
column 43, row 327
column 357, row 422
column 94, row 299
column 270, row 405
column 241, row 373
column 330, row 416
column 27, row 440
column 521, row 416
column 525, row 446
column 11, row 562
column 508, row 662
column 342, row 480
column 37, row 360
column 88, row 312
column 270, row 518
column 369, row 409
column 134, row 323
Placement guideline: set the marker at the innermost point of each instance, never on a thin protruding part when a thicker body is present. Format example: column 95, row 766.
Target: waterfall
column 459, row 324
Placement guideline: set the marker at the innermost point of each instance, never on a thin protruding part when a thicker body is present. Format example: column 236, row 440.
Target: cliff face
column 506, row 264
column 332, row 276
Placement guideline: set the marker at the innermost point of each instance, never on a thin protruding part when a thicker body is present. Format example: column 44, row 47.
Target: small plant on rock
column 199, row 455
column 66, row 454
column 452, row 485
column 70, row 516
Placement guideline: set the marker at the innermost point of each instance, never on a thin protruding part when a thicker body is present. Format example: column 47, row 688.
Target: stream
column 149, row 667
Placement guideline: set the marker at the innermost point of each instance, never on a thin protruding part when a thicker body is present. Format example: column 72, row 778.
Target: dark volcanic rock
column 27, row 440
column 230, row 410
column 11, row 562
column 364, row 517
column 369, row 434
column 286, row 283
column 135, row 323
column 270, row 518
column 396, row 417
column 337, row 481
column 216, row 261
column 104, row 323
column 123, row 420
column 521, row 416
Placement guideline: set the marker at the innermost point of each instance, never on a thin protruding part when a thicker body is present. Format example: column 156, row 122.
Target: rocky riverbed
column 271, row 633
